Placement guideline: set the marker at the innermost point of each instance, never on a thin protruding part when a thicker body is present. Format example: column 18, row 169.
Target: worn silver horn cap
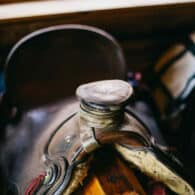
column 106, row 92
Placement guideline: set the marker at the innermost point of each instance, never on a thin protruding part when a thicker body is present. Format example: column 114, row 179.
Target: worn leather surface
column 48, row 64
column 57, row 122
column 43, row 69
column 27, row 140
column 51, row 133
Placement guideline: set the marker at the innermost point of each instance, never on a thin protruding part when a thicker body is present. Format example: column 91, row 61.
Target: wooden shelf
column 29, row 9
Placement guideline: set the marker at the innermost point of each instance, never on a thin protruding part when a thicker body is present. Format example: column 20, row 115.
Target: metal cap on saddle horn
column 105, row 93
column 101, row 108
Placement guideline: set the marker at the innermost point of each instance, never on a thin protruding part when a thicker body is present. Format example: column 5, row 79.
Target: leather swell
column 67, row 142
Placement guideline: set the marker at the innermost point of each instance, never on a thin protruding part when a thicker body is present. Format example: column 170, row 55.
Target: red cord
column 158, row 189
column 34, row 184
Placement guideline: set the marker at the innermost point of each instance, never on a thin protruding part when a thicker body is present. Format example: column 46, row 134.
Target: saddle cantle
column 61, row 156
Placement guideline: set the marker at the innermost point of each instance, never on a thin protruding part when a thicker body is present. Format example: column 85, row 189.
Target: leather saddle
column 68, row 132
column 59, row 159
column 43, row 69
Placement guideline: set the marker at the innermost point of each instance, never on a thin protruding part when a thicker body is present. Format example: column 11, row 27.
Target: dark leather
column 56, row 150
column 44, row 68
column 47, row 65
column 60, row 149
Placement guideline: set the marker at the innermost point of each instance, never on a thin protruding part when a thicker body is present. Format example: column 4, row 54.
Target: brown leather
column 48, row 64
column 61, row 149
column 53, row 146
column 45, row 68
column 58, row 153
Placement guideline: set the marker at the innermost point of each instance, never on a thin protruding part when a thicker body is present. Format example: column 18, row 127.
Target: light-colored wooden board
column 144, row 32
column 26, row 9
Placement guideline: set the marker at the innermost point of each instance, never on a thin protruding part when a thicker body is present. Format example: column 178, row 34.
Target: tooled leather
column 46, row 151
column 34, row 161
column 60, row 147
